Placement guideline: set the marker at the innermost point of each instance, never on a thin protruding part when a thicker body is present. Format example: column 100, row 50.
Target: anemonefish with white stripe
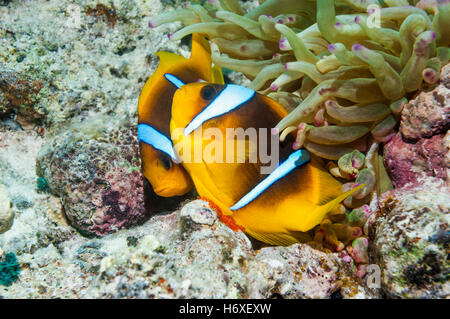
column 154, row 111
column 279, row 208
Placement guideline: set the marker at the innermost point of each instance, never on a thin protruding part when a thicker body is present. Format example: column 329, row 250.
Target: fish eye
column 207, row 92
column 166, row 162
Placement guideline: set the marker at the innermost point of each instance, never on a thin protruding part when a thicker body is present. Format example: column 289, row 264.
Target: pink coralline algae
column 121, row 205
column 97, row 177
column 406, row 162
column 421, row 148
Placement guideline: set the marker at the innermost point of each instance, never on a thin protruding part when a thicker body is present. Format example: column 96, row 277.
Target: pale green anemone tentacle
column 268, row 26
column 357, row 113
column 285, row 78
column 328, row 63
column 307, row 86
column 397, row 106
column 389, row 81
column 443, row 53
column 412, row 72
column 411, row 27
column 232, row 6
column 333, row 30
column 441, row 23
column 387, row 37
column 332, row 135
column 252, row 27
column 333, row 152
column 360, row 5
column 299, row 21
column 184, row 15
column 300, row 51
column 312, row 32
column 345, row 56
column 392, row 60
column 278, row 7
column 432, row 70
column 351, row 163
column 201, row 12
column 225, row 30
column 268, row 72
column 288, row 100
column 359, row 90
column 248, row 67
column 316, row 45
column 401, row 13
column 343, row 73
column 396, row 3
column 250, row 49
column 384, row 127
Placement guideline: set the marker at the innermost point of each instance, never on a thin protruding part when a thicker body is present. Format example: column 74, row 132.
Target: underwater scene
column 224, row 149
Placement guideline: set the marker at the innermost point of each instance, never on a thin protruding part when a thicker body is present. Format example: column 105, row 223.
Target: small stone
column 195, row 214
column 6, row 213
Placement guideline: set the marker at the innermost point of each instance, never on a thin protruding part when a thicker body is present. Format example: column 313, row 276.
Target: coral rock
column 410, row 241
column 162, row 259
column 97, row 177
column 429, row 113
column 18, row 95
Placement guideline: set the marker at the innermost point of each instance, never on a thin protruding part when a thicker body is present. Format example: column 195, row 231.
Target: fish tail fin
column 321, row 211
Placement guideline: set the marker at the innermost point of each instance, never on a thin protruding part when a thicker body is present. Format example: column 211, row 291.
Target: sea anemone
column 344, row 69
column 346, row 65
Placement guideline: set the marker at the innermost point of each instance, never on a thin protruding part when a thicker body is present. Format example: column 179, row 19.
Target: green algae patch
column 9, row 270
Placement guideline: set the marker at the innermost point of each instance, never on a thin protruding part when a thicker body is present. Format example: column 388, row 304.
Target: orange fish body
column 279, row 214
column 239, row 173
column 154, row 112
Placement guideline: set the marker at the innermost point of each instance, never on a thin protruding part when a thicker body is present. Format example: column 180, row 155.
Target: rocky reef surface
column 82, row 222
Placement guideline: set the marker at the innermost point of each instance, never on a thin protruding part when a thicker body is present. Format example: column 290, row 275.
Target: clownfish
column 278, row 208
column 159, row 163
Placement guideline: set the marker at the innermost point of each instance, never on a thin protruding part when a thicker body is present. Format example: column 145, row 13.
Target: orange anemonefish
column 154, row 110
column 277, row 208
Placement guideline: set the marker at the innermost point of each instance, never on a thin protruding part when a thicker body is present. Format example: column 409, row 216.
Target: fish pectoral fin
column 320, row 212
column 275, row 239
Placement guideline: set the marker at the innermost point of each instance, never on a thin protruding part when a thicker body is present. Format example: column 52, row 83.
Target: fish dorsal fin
column 168, row 60
column 201, row 56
